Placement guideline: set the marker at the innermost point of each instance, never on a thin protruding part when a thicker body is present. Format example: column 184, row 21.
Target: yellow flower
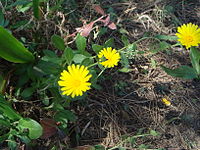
column 189, row 35
column 74, row 81
column 109, row 57
column 166, row 102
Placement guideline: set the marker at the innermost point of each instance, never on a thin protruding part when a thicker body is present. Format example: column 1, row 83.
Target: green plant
column 14, row 126
column 12, row 50
column 188, row 35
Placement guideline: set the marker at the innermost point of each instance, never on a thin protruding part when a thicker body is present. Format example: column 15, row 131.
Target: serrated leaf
column 97, row 48
column 68, row 55
column 184, row 72
column 78, row 58
column 34, row 128
column 13, row 50
column 161, row 47
column 80, row 43
column 124, row 61
column 58, row 42
column 109, row 43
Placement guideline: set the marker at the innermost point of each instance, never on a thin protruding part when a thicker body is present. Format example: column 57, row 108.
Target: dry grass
column 107, row 115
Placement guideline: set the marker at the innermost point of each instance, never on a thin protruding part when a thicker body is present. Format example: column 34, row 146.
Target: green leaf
column 68, row 55
column 161, row 47
column 58, row 42
column 27, row 92
column 125, row 40
column 19, row 2
column 154, row 133
column 109, row 43
column 36, row 10
column 12, row 50
column 184, row 72
column 78, row 58
column 124, row 61
column 4, row 122
column 195, row 59
column 34, row 128
column 125, row 70
column 1, row 18
column 50, row 56
column 12, row 144
column 8, row 111
column 80, row 43
column 2, row 83
column 166, row 37
column 97, row 48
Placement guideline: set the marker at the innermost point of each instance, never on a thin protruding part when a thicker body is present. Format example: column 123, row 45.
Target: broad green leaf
column 109, row 43
column 8, row 111
column 78, row 58
column 80, row 43
column 195, row 59
column 68, row 55
column 58, row 42
column 97, row 48
column 184, row 72
column 13, row 50
column 36, row 10
column 166, row 37
column 27, row 92
column 43, row 69
column 34, row 128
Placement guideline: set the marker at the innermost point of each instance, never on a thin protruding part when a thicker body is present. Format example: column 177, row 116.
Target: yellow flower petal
column 74, row 81
column 111, row 55
column 188, row 35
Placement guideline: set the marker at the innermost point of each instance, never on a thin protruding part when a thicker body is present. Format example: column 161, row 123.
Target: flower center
column 76, row 83
column 189, row 39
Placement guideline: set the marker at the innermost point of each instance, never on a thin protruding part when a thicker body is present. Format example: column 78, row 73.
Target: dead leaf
column 87, row 29
column 112, row 26
column 107, row 20
column 99, row 10
column 49, row 128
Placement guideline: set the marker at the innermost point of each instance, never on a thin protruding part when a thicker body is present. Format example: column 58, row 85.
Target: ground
column 131, row 103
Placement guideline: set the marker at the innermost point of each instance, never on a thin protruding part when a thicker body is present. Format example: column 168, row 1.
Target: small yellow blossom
column 74, row 81
column 189, row 35
column 166, row 102
column 109, row 57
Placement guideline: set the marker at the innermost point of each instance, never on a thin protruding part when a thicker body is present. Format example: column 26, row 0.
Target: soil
column 131, row 103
